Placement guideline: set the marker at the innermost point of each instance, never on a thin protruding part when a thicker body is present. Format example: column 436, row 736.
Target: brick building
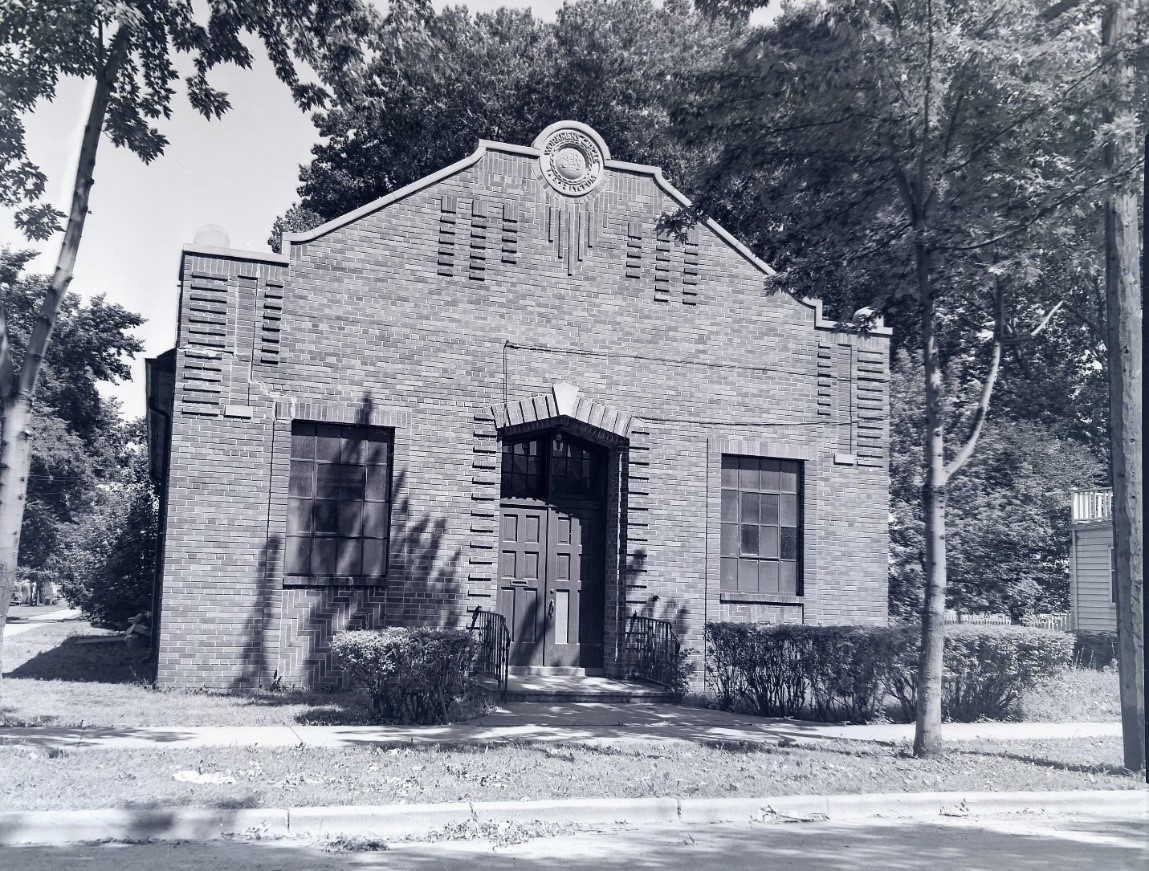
column 503, row 387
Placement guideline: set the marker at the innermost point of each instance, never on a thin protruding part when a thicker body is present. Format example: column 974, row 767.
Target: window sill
column 334, row 581
column 758, row 598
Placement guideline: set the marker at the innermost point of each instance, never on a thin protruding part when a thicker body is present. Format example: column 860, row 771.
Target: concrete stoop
column 558, row 689
column 398, row 821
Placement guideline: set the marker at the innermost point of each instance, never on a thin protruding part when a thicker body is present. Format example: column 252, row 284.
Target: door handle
column 551, row 607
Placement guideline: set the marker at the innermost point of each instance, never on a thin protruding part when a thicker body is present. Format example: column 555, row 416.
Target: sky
column 239, row 172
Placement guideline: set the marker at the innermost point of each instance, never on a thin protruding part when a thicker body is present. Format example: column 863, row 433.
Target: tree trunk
column 928, row 726
column 16, row 448
column 1123, row 309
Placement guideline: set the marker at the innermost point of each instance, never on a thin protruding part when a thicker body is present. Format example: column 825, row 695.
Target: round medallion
column 572, row 160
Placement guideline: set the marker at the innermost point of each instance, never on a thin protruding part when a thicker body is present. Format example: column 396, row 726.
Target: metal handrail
column 651, row 651
column 494, row 657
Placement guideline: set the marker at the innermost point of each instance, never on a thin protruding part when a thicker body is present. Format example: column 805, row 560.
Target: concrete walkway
column 19, row 626
column 579, row 723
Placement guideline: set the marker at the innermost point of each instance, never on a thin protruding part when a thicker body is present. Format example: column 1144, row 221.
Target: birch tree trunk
column 928, row 725
column 20, row 386
column 1123, row 309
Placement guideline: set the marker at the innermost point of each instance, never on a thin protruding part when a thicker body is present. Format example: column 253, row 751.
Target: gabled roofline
column 653, row 172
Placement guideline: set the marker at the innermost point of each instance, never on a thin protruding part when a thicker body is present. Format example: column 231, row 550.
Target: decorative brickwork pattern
column 448, row 209
column 310, row 618
column 872, row 413
column 272, row 322
column 634, row 249
column 510, row 246
column 207, row 311
column 662, row 267
column 844, row 396
column 690, row 269
column 477, row 265
column 825, row 379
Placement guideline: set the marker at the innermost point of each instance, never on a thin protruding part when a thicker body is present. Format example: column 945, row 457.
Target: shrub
column 409, row 675
column 782, row 670
column 985, row 669
column 756, row 666
column 1096, row 650
column 846, row 672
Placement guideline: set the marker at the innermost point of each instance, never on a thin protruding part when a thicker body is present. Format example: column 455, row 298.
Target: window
column 339, row 505
column 761, row 525
column 553, row 465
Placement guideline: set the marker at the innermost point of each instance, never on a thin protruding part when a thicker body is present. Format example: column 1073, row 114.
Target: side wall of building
column 429, row 314
column 1091, row 579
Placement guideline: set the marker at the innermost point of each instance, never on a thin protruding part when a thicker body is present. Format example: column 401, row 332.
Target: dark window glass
column 338, row 516
column 552, row 465
column 761, row 525
column 522, row 476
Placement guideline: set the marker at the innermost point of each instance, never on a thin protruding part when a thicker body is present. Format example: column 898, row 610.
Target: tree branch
column 69, row 247
column 967, row 449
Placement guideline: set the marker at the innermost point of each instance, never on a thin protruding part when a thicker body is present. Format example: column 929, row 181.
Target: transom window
column 553, row 464
column 339, row 505
column 761, row 525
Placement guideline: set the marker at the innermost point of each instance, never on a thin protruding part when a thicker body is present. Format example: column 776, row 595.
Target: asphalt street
column 1016, row 842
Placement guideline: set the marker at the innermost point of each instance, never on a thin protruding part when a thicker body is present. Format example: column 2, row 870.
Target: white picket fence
column 1040, row 621
column 979, row 619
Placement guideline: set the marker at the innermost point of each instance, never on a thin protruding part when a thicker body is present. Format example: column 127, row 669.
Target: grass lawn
column 53, row 677
column 38, row 780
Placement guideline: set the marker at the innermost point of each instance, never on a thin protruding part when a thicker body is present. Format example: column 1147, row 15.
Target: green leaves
column 133, row 43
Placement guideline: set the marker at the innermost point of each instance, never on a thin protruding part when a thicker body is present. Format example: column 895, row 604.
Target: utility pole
column 1124, row 316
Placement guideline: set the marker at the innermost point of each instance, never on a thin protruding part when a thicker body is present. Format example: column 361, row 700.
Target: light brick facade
column 448, row 312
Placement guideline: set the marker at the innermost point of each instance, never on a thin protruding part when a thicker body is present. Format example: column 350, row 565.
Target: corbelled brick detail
column 380, row 320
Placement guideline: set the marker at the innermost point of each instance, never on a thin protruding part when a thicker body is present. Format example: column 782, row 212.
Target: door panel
column 575, row 599
column 522, row 565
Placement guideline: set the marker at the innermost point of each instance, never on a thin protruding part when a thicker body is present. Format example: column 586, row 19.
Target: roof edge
column 235, row 254
column 393, row 197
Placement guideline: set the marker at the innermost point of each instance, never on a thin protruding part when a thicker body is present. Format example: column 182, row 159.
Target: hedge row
column 831, row 673
column 409, row 675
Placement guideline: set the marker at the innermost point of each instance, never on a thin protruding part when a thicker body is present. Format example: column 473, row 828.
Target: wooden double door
column 552, row 559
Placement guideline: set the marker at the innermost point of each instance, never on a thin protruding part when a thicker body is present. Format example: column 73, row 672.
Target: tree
column 78, row 433
column 504, row 76
column 126, row 49
column 110, row 567
column 1007, row 516
column 918, row 155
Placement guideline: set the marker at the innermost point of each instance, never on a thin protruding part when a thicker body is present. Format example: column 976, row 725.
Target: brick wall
column 430, row 313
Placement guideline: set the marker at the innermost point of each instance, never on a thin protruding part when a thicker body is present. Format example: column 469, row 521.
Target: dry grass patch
column 267, row 777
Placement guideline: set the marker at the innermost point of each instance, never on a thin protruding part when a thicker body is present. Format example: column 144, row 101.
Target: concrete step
column 562, row 689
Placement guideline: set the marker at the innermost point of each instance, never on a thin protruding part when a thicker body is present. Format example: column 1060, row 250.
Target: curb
column 396, row 821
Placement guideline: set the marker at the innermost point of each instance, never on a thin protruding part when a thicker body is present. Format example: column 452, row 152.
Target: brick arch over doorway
column 562, row 496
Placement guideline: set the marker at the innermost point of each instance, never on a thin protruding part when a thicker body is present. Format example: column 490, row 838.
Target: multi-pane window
column 339, row 506
column 553, row 465
column 761, row 525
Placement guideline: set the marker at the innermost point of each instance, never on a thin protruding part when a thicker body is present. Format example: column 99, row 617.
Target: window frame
column 301, row 490
column 735, row 593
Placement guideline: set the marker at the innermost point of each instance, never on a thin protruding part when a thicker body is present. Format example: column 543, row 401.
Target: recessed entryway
column 552, row 560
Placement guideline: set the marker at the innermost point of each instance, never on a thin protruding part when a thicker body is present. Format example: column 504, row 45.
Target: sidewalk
column 19, row 625
column 398, row 821
column 585, row 723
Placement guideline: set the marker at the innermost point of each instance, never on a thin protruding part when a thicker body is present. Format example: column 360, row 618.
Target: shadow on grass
column 78, row 658
column 1103, row 768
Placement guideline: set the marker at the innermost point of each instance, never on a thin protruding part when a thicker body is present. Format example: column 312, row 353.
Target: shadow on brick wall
column 257, row 668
